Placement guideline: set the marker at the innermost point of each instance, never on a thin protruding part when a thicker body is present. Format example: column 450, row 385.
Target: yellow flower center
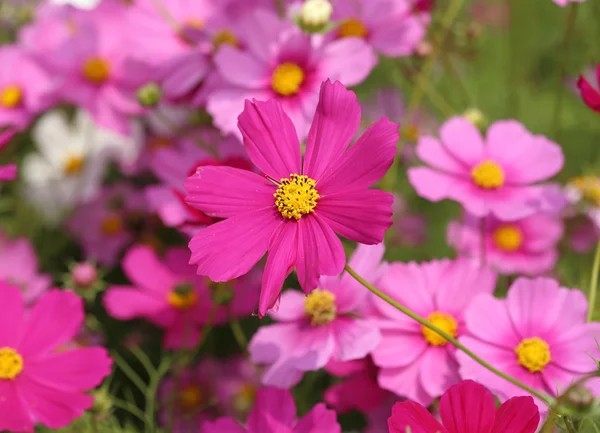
column 488, row 175
column 11, row 97
column 11, row 363
column 320, row 307
column 445, row 322
column 111, row 225
column 533, row 354
column 73, row 164
column 352, row 28
column 182, row 297
column 508, row 237
column 225, row 37
column 287, row 79
column 191, row 397
column 589, row 186
column 296, row 196
column 194, row 23
column 245, row 397
column 96, row 70
column 410, row 132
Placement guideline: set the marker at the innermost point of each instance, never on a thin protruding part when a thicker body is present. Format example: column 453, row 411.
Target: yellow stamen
column 488, row 175
column 445, row 322
column 287, row 79
column 96, row 70
column 183, row 297
column 589, row 187
column 533, row 354
column 11, row 97
column 223, row 37
column 352, row 28
column 296, row 196
column 320, row 307
column 11, row 363
column 508, row 237
column 191, row 397
column 245, row 397
column 73, row 165
column 111, row 225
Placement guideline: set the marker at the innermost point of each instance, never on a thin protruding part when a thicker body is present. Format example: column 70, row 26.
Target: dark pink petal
column 224, row 192
column 272, row 403
column 517, row 415
column 467, row 408
column 52, row 322
column 318, row 420
column 14, row 413
column 126, row 303
column 74, row 370
column 230, row 248
column 146, row 271
column 241, row 68
column 590, row 96
column 12, row 315
column 8, row 172
column 365, row 162
column 320, row 252
column 362, row 216
column 359, row 392
column 222, row 425
column 336, row 121
column 410, row 414
column 270, row 138
column 281, row 259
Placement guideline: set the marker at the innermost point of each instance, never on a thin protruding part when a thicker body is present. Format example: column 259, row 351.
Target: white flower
column 79, row 4
column 70, row 164
column 315, row 13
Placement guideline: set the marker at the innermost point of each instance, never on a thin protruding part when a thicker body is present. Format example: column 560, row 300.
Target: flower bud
column 84, row 274
column 149, row 95
column 476, row 117
column 315, row 14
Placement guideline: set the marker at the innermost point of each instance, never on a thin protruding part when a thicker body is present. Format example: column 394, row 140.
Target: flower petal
column 126, row 303
column 517, row 415
column 12, row 315
column 355, row 338
column 462, row 140
column 240, row 68
column 270, row 138
column 408, row 414
column 275, row 404
column 590, row 96
column 318, row 420
column 14, row 415
column 146, row 271
column 291, row 307
column 487, row 319
column 222, row 425
column 349, row 60
column 467, row 408
column 431, row 151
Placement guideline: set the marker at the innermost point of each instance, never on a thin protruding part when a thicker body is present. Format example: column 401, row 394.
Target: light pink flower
column 496, row 176
column 563, row 3
column 19, row 267
column 108, row 224
column 393, row 27
column 467, row 407
column 39, row 384
column 275, row 412
column 538, row 335
column 526, row 246
column 282, row 63
column 324, row 326
column 299, row 234
column 414, row 361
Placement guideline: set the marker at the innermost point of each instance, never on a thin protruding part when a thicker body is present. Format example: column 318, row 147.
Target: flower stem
column 448, row 337
column 594, row 284
column 238, row 334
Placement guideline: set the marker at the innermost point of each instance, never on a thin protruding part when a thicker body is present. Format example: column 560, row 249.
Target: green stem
column 447, row 336
column 238, row 334
column 594, row 284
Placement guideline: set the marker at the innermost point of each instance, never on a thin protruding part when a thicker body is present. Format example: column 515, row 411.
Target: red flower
column 589, row 94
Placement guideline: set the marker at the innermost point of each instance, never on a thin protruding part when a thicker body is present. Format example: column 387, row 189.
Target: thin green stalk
column 129, row 372
column 238, row 334
column 155, row 379
column 447, row 336
column 594, row 284
column 129, row 408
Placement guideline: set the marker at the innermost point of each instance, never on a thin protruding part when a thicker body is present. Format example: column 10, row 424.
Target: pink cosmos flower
column 324, row 326
column 282, row 63
column 169, row 294
column 495, row 176
column 8, row 171
column 414, row 361
column 25, row 88
column 275, row 412
column 38, row 383
column 393, row 27
column 467, row 406
column 582, row 233
column 563, row 3
column 295, row 210
column 108, row 224
column 526, row 246
column 538, row 335
column 589, row 92
column 19, row 267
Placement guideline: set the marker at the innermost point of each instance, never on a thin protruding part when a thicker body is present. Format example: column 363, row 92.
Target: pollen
column 191, row 397
column 296, row 196
column 11, row 363
column 225, row 37
column 182, row 297
column 96, row 70
column 533, row 354
column 112, row 225
column 488, row 175
column 320, row 307
column 11, row 97
column 287, row 79
column 352, row 28
column 445, row 322
column 589, row 187
column 73, row 165
column 508, row 237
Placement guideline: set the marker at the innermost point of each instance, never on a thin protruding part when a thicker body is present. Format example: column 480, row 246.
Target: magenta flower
column 275, row 412
column 589, row 92
column 496, row 176
column 393, row 27
column 294, row 210
column 324, row 326
column 38, row 383
column 414, row 361
column 563, row 3
column 467, row 407
column 282, row 63
column 526, row 246
column 538, row 335
column 7, row 172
